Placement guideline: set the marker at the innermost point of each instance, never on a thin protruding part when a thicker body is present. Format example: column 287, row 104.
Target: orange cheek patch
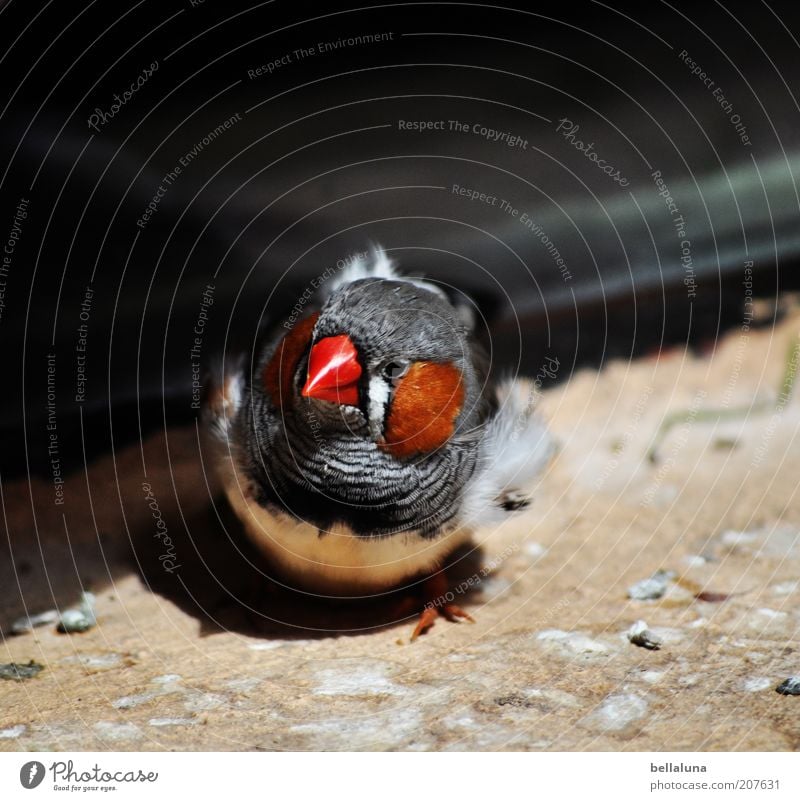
column 424, row 409
column 279, row 372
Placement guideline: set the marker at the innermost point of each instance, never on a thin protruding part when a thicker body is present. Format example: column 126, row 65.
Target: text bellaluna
column 676, row 767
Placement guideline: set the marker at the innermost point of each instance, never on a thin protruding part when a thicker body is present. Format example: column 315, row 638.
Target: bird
column 364, row 440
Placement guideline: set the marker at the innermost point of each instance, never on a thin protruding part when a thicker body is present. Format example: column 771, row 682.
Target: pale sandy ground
column 546, row 666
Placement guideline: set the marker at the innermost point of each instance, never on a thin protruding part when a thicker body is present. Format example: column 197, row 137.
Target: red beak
column 333, row 371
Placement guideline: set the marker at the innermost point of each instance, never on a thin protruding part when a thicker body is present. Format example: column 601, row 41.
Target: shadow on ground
column 106, row 531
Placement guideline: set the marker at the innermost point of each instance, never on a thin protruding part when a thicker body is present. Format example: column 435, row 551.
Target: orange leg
column 426, row 619
column 437, row 603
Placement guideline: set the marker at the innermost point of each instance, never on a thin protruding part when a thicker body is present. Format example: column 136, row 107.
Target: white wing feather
column 515, row 449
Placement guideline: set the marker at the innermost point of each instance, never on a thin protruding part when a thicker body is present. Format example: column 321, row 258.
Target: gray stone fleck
column 362, row 678
column 205, row 701
column 15, row 671
column 243, row 685
column 116, row 732
column 616, row 713
column 695, row 560
column 94, row 661
column 571, row 643
column 651, row 588
column 172, row 721
column 130, row 701
column 735, row 539
column 778, row 541
column 25, row 624
column 164, row 685
column 756, row 683
column 390, row 729
column 771, row 622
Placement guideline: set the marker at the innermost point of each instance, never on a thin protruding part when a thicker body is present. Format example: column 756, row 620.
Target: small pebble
column 790, row 686
column 80, row 619
column 28, row 623
column 73, row 620
column 16, row 672
column 640, row 635
column 652, row 588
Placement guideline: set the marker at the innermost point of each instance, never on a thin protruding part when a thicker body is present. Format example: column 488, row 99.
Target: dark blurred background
column 642, row 181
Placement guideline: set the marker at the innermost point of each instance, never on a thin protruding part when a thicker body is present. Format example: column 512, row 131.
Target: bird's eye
column 395, row 370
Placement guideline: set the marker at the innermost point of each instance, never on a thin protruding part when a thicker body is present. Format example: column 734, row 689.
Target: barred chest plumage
column 335, row 560
column 346, row 478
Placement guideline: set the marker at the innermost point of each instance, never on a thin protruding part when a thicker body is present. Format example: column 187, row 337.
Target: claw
column 429, row 614
column 435, row 590
column 426, row 619
column 453, row 613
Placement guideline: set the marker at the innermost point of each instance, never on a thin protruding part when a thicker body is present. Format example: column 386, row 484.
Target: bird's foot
column 429, row 614
column 438, row 605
